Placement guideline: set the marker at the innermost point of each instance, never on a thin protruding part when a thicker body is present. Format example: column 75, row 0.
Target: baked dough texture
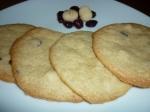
column 8, row 34
column 125, row 50
column 32, row 70
column 73, row 59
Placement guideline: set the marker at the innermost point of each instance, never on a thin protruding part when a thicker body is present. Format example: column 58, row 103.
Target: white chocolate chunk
column 70, row 15
column 85, row 13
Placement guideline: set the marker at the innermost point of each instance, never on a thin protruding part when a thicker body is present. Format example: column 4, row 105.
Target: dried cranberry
column 91, row 23
column 59, row 16
column 78, row 23
column 93, row 14
column 68, row 24
column 76, row 8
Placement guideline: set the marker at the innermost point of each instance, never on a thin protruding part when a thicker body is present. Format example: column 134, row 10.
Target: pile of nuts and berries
column 77, row 16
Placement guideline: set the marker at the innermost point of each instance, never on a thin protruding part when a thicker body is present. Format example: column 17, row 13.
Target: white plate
column 43, row 13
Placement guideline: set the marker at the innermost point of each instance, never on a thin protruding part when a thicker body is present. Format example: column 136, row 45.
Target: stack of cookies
column 95, row 67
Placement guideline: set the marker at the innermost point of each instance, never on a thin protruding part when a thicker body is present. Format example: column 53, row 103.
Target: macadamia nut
column 85, row 13
column 70, row 15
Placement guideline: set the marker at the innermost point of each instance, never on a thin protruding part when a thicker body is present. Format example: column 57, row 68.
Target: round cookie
column 32, row 70
column 73, row 59
column 8, row 34
column 125, row 50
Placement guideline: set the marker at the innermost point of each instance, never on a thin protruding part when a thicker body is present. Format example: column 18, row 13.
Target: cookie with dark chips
column 125, row 50
column 8, row 34
column 32, row 70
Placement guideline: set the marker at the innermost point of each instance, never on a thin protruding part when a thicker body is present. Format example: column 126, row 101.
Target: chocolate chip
column 91, row 23
column 124, row 33
column 10, row 62
column 78, row 23
column 59, row 16
column 0, row 58
column 93, row 14
column 68, row 24
column 76, row 8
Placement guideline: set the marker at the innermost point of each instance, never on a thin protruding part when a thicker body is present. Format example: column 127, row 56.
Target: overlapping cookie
column 8, row 34
column 125, row 50
column 63, row 67
column 73, row 59
column 32, row 70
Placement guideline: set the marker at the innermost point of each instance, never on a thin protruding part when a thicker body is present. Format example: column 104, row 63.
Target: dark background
column 141, row 5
